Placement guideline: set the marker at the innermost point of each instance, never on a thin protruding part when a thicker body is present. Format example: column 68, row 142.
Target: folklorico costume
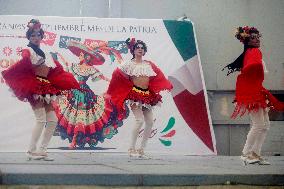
column 121, row 88
column 123, row 91
column 37, row 80
column 83, row 116
column 27, row 86
column 250, row 95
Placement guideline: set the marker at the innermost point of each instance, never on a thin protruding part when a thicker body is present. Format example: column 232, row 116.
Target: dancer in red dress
column 39, row 81
column 251, row 97
column 138, row 83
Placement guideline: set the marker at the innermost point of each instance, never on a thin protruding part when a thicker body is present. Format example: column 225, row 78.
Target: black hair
column 135, row 46
column 237, row 65
column 31, row 30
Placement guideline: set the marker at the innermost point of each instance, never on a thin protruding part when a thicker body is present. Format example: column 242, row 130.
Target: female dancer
column 138, row 82
column 251, row 96
column 37, row 81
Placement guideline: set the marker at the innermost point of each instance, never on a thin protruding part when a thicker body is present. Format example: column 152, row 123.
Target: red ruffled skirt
column 25, row 84
column 144, row 96
column 44, row 86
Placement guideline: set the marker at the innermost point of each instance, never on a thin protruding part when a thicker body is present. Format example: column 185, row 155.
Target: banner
column 182, row 123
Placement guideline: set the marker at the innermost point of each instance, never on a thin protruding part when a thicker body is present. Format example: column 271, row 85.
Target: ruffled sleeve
column 20, row 77
column 118, row 89
column 159, row 82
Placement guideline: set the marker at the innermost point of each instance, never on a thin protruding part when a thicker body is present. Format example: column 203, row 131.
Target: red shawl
column 250, row 94
column 274, row 102
column 120, row 85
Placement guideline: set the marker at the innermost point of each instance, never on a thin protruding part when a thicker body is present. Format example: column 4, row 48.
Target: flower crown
column 243, row 33
column 34, row 24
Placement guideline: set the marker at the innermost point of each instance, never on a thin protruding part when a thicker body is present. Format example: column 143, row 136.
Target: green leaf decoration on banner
column 170, row 124
column 166, row 142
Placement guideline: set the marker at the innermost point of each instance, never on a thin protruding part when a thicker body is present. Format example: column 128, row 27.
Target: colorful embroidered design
column 85, row 116
column 7, row 51
column 19, row 51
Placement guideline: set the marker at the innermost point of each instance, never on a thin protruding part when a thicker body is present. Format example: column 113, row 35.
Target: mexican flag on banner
column 182, row 123
column 189, row 92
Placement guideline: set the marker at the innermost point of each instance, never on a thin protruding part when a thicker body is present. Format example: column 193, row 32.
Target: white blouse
column 38, row 60
column 132, row 68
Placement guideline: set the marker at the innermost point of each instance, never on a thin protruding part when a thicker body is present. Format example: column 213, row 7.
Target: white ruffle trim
column 47, row 98
column 84, row 72
column 137, row 69
column 141, row 105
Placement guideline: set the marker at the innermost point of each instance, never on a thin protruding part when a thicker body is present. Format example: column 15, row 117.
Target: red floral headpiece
column 130, row 44
column 34, row 24
column 243, row 33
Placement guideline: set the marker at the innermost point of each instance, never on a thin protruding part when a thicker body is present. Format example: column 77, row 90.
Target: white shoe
column 46, row 158
column 248, row 159
column 263, row 162
column 243, row 157
column 132, row 152
column 142, row 155
column 34, row 156
column 38, row 156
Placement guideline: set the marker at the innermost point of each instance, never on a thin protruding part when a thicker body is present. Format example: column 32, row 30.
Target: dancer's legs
column 50, row 127
column 148, row 116
column 40, row 116
column 262, row 133
column 256, row 136
column 139, row 119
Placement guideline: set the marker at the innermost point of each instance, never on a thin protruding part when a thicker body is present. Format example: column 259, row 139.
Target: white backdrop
column 16, row 118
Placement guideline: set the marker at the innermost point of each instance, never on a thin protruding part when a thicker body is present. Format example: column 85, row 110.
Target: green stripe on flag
column 182, row 35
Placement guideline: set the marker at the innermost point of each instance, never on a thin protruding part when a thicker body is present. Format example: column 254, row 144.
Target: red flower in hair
column 130, row 44
column 34, row 24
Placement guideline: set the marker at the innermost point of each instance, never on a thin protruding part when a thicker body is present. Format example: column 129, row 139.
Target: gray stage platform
column 117, row 169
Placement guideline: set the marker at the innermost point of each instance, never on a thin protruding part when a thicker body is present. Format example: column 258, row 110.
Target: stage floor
column 117, row 169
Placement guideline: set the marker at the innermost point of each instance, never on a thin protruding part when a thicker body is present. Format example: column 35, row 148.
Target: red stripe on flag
column 194, row 112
